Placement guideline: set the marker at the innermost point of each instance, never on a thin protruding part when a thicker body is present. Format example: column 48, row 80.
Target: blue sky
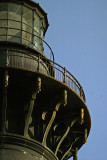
column 78, row 37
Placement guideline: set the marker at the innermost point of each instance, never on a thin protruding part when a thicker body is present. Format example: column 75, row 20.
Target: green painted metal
column 43, row 114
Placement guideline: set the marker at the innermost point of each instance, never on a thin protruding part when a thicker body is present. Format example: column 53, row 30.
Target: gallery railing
column 38, row 62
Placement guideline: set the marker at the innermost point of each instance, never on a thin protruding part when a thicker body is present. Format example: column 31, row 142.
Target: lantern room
column 23, row 22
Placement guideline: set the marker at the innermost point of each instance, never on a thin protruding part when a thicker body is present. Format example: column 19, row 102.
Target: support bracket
column 36, row 90
column 76, row 152
column 4, row 101
column 62, row 101
column 65, row 135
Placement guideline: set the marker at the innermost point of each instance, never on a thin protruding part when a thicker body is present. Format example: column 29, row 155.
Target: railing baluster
column 64, row 75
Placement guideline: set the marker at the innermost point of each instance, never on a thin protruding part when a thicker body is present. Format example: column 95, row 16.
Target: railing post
column 64, row 75
column 80, row 91
column 53, row 69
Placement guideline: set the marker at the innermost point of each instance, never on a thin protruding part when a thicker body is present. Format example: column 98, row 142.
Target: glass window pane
column 14, row 35
column 27, row 28
column 27, row 16
column 14, row 39
column 38, row 30
column 14, row 11
column 3, row 23
column 26, row 38
column 41, row 33
column 36, row 23
column 3, row 10
column 36, row 40
column 37, row 43
column 14, row 32
column 41, row 28
column 3, row 31
column 13, row 24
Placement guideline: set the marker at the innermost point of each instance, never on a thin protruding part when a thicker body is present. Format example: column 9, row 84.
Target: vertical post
column 76, row 152
column 4, row 101
column 80, row 91
column 82, row 116
column 85, row 136
column 65, row 97
column 53, row 69
column 21, row 23
column 38, row 63
column 64, row 75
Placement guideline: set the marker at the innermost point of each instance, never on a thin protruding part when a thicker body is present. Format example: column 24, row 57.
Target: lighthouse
column 43, row 111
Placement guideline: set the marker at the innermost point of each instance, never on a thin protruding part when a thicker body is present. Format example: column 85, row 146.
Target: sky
column 78, row 37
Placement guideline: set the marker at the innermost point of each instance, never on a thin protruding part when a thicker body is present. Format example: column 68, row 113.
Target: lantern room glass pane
column 14, row 22
column 27, row 16
column 14, row 35
column 26, row 38
column 36, row 40
column 27, row 22
column 14, row 25
column 38, row 32
column 36, row 23
column 14, row 11
column 27, row 28
column 3, row 23
column 3, row 31
column 3, row 10
column 14, row 32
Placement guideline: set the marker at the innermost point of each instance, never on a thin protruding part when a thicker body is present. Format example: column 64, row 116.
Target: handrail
column 66, row 71
column 54, row 69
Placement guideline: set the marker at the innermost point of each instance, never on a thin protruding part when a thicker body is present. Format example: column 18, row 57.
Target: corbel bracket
column 65, row 134
column 82, row 116
column 70, row 149
column 62, row 101
column 4, row 101
column 75, row 154
column 85, row 136
column 36, row 90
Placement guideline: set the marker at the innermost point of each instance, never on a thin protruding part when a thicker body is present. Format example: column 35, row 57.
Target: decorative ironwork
column 31, row 106
column 64, row 136
column 66, row 155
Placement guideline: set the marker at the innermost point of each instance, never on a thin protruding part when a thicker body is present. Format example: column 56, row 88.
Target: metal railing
column 24, row 60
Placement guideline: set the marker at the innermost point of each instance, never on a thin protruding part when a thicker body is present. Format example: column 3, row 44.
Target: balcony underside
column 19, row 92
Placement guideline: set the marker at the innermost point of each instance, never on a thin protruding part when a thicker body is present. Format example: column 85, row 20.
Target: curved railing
column 25, row 60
